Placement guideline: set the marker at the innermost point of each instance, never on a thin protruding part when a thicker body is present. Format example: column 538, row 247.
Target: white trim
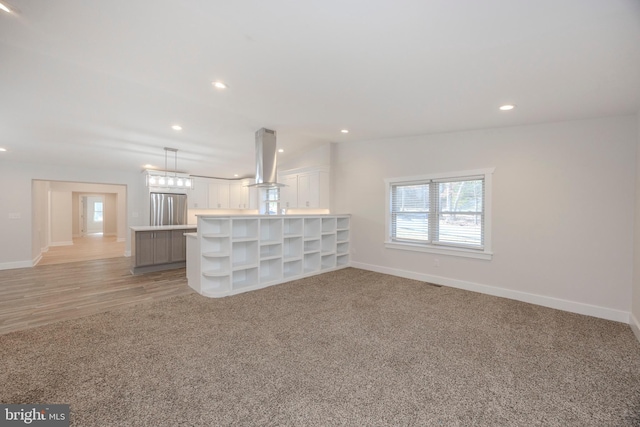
column 69, row 243
column 441, row 175
column 19, row 264
column 36, row 260
column 121, row 239
column 306, row 169
column 127, row 253
column 635, row 325
column 442, row 250
column 485, row 254
column 557, row 303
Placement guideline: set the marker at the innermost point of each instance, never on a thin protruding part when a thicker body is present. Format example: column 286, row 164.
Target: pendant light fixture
column 166, row 179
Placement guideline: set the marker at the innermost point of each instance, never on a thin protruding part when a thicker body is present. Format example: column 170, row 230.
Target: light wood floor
column 45, row 294
column 92, row 246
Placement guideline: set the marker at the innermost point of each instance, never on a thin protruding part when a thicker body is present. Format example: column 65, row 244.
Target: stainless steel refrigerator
column 168, row 209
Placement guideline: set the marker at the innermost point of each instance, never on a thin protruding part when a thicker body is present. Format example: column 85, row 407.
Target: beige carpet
column 345, row 348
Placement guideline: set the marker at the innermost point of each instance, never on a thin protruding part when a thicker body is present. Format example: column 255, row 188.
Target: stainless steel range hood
column 266, row 159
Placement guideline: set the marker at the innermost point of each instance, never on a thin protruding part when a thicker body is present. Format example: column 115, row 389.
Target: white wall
column 563, row 203
column 40, row 218
column 18, row 247
column 320, row 156
column 61, row 218
column 635, row 302
column 110, row 223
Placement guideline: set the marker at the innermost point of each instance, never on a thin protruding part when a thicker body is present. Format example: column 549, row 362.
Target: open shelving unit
column 343, row 224
column 242, row 253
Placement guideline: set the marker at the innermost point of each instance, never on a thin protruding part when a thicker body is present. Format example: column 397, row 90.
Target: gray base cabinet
column 154, row 250
column 179, row 245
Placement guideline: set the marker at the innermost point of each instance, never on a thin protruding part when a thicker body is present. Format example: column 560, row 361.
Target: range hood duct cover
column 266, row 159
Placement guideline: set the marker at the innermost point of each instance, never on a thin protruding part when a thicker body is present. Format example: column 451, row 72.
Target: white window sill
column 442, row 250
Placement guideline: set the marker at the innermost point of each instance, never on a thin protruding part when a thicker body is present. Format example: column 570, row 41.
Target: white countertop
column 271, row 216
column 162, row 227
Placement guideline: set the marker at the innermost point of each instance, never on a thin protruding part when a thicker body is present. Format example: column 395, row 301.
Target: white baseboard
column 69, row 243
column 45, row 249
column 635, row 326
column 121, row 239
column 16, row 264
column 36, row 260
column 557, row 303
column 127, row 253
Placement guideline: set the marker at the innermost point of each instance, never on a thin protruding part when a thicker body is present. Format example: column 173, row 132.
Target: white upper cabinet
column 198, row 197
column 218, row 195
column 238, row 195
column 308, row 189
column 224, row 194
column 289, row 193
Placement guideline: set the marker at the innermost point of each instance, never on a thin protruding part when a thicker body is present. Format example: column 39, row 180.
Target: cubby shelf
column 241, row 253
column 212, row 273
column 215, row 235
column 236, row 267
column 215, row 254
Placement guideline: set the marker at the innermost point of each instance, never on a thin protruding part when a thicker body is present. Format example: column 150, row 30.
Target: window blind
column 410, row 211
column 441, row 212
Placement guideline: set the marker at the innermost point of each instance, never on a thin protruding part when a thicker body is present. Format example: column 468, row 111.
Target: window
column 97, row 212
column 271, row 199
column 446, row 214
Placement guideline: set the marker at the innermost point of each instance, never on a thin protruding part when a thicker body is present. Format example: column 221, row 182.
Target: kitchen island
column 160, row 247
column 234, row 254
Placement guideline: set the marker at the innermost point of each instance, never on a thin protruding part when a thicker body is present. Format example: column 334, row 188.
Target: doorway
column 92, row 215
column 78, row 221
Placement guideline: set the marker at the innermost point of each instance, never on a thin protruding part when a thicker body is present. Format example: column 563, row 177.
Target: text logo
column 34, row 415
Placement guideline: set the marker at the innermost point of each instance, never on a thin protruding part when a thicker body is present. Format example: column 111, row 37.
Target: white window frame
column 484, row 253
column 96, row 211
column 268, row 201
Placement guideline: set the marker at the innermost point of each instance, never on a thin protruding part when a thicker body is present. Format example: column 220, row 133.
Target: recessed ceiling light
column 219, row 85
column 176, row 127
column 507, row 107
column 3, row 149
column 345, row 131
column 235, row 174
column 5, row 8
column 280, row 150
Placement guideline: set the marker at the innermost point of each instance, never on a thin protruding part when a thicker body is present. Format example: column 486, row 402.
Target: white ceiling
column 100, row 83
